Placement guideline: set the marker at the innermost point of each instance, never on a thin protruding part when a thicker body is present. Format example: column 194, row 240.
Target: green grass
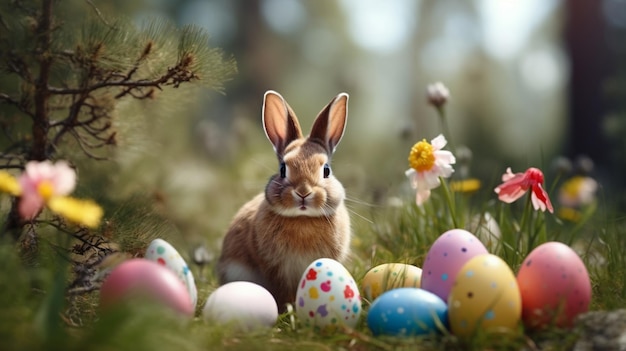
column 36, row 315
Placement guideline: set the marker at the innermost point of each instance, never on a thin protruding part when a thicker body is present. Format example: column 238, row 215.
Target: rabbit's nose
column 303, row 191
column 303, row 196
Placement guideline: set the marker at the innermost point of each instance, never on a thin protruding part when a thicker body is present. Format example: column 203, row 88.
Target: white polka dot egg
column 327, row 296
column 485, row 296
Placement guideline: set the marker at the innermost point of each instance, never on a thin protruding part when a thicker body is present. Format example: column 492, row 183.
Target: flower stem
column 524, row 223
column 543, row 236
column 449, row 200
column 441, row 111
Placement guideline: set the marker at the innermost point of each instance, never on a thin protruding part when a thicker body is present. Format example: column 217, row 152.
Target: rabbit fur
column 301, row 215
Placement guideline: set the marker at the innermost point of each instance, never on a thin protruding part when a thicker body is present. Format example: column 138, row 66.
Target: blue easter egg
column 407, row 312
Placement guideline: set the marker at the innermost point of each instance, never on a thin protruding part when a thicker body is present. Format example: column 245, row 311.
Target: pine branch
column 97, row 11
column 6, row 98
column 71, row 92
column 136, row 88
column 12, row 160
column 17, row 65
column 174, row 76
column 84, row 146
column 21, row 105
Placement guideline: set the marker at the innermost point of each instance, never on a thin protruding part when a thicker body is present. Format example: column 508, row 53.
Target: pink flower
column 41, row 181
column 517, row 184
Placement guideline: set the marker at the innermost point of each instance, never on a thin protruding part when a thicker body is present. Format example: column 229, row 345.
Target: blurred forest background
column 530, row 80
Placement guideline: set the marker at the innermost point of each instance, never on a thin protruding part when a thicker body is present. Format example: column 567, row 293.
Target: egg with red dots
column 445, row 258
column 163, row 253
column 554, row 285
column 327, row 296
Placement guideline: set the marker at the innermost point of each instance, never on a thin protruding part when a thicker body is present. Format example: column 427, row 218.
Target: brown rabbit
column 301, row 216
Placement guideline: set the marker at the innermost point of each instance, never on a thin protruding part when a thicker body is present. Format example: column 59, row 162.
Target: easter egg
column 407, row 312
column 554, row 285
column 485, row 297
column 446, row 257
column 138, row 279
column 389, row 276
column 165, row 254
column 244, row 305
column 327, row 296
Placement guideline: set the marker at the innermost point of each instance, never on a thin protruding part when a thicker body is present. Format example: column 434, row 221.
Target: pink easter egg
column 555, row 286
column 446, row 257
column 140, row 279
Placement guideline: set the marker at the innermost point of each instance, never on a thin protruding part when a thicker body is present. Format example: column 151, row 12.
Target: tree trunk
column 590, row 65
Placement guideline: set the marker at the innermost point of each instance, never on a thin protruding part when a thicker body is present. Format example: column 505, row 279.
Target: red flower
column 517, row 184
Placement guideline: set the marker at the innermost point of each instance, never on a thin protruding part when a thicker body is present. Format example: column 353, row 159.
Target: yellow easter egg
column 485, row 297
column 389, row 276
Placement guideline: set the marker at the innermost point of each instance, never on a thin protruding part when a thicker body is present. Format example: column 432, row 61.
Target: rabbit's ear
column 329, row 125
column 280, row 123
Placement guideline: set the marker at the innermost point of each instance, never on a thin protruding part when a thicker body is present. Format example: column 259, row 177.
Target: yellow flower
column 465, row 185
column 9, row 184
column 569, row 214
column 428, row 162
column 578, row 191
column 47, row 184
column 422, row 157
column 84, row 212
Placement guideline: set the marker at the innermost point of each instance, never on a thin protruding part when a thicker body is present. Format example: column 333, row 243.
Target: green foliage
column 394, row 234
column 96, row 64
column 69, row 74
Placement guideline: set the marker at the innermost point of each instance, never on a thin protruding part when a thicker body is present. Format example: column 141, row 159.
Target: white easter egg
column 327, row 296
column 165, row 254
column 244, row 305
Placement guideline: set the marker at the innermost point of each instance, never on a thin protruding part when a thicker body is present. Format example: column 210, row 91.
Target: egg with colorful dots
column 555, row 286
column 327, row 296
column 485, row 297
column 163, row 253
column 446, row 257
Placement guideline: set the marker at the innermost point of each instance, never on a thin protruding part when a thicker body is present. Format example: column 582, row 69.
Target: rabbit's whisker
column 359, row 215
column 359, row 202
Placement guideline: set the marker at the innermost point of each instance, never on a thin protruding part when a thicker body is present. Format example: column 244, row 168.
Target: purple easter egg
column 446, row 257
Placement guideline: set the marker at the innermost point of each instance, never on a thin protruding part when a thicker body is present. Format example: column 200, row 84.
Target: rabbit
column 301, row 216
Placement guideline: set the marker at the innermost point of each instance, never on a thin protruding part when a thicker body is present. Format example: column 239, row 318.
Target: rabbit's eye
column 326, row 170
column 283, row 170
